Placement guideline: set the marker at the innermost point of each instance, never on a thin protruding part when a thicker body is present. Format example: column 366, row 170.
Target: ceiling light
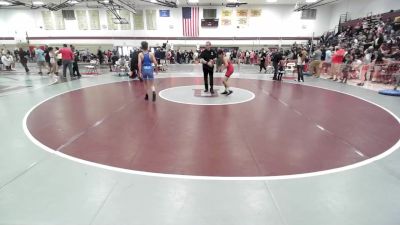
column 4, row 3
column 106, row 1
column 38, row 3
column 73, row 2
column 272, row 1
column 310, row 1
column 154, row 1
column 193, row 1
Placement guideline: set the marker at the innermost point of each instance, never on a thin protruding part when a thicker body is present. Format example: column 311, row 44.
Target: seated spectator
column 7, row 60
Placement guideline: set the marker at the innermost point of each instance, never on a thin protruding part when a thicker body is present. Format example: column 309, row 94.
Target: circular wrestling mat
column 284, row 129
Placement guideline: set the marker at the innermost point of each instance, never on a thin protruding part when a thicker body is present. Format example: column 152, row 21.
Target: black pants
column 208, row 73
column 134, row 71
column 275, row 70
column 23, row 63
column 300, row 73
column 75, row 69
column 262, row 66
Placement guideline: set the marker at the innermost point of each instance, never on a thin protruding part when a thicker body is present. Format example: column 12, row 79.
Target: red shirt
column 337, row 58
column 67, row 54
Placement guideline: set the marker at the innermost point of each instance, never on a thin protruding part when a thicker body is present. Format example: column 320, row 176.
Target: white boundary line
column 161, row 93
column 191, row 177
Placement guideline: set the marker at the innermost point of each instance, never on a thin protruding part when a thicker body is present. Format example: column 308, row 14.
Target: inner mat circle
column 286, row 129
column 196, row 95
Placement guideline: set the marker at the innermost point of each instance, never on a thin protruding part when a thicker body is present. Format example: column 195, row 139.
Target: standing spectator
column 53, row 61
column 75, row 68
column 300, row 66
column 67, row 57
column 347, row 67
column 23, row 59
column 328, row 60
column 315, row 64
column 262, row 61
column 337, row 60
column 134, row 65
column 40, row 59
column 59, row 60
column 276, row 58
column 100, row 56
column 47, row 57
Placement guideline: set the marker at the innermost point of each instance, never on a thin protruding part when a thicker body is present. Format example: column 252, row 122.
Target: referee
column 207, row 59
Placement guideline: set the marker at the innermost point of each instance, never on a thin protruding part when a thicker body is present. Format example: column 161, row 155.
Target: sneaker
column 146, row 97
column 212, row 91
column 224, row 93
column 230, row 92
column 206, row 90
column 154, row 96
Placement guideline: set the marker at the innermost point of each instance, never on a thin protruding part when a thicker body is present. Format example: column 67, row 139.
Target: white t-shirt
column 299, row 60
column 7, row 60
column 328, row 56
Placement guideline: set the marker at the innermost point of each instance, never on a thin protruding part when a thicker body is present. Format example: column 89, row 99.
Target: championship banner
column 138, row 21
column 242, row 22
column 47, row 20
column 226, row 22
column 59, row 20
column 255, row 12
column 94, row 19
column 110, row 22
column 226, row 13
column 241, row 12
column 151, row 19
column 82, row 19
column 126, row 15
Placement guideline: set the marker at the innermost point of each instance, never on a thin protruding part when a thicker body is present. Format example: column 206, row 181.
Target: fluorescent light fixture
column 4, row 3
column 154, row 1
column 270, row 1
column 310, row 1
column 38, row 3
column 193, row 1
column 73, row 2
column 106, row 1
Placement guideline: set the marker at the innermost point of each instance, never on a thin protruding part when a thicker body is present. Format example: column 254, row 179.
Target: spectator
column 67, row 57
column 7, row 60
column 40, row 59
column 23, row 59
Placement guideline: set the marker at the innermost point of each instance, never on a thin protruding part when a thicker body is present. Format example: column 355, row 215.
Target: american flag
column 190, row 20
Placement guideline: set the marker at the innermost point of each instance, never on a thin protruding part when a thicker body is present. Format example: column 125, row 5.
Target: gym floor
column 93, row 151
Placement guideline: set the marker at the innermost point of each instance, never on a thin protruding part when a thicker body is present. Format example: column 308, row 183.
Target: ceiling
column 179, row 3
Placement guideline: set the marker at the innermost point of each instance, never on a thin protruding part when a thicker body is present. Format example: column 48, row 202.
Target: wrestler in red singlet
column 229, row 70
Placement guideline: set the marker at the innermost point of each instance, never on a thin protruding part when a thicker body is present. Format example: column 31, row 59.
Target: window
column 309, row 14
column 209, row 13
column 68, row 14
